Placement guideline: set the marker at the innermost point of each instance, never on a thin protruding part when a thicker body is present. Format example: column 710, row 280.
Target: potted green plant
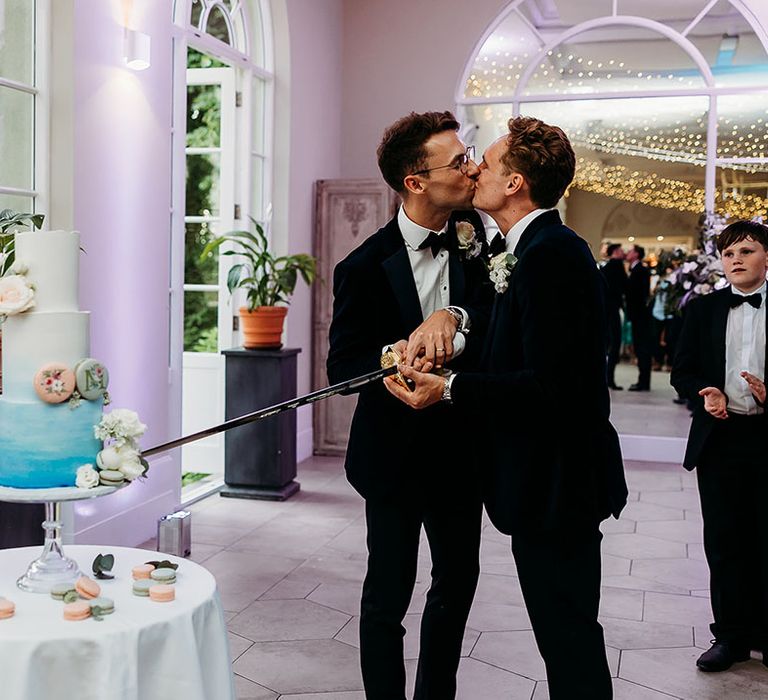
column 10, row 221
column 268, row 281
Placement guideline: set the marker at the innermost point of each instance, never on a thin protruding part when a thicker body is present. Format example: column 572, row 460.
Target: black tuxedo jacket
column 552, row 458
column 700, row 362
column 391, row 446
column 638, row 292
column 616, row 278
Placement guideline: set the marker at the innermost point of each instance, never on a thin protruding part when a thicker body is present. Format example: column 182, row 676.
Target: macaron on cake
column 167, row 576
column 87, row 588
column 141, row 587
column 111, row 477
column 7, row 609
column 162, row 593
column 77, row 611
column 142, row 571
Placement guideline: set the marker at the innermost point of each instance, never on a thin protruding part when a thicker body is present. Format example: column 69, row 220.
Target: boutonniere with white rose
column 499, row 269
column 466, row 235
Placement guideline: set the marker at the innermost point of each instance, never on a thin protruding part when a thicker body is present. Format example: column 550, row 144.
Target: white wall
column 308, row 148
column 402, row 56
column 121, row 198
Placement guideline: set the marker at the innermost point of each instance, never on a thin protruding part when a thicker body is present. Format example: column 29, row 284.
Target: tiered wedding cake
column 52, row 392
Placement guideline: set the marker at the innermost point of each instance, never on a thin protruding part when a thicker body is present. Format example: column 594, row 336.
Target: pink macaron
column 7, row 609
column 77, row 611
column 87, row 588
column 162, row 593
column 142, row 571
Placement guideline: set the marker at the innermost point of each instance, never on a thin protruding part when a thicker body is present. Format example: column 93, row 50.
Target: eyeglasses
column 458, row 163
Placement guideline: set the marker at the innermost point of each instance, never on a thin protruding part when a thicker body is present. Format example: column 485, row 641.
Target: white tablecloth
column 143, row 651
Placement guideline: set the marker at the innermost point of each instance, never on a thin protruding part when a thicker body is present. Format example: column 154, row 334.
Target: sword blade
column 355, row 383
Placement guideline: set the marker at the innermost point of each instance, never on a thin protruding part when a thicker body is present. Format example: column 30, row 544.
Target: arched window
column 23, row 105
column 666, row 104
column 221, row 176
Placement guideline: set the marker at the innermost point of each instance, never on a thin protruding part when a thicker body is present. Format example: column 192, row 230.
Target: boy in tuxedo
column 720, row 362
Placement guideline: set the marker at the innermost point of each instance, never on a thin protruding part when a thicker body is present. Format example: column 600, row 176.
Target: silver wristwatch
column 447, row 381
column 461, row 325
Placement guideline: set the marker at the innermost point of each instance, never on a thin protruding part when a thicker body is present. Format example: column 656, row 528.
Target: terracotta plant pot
column 263, row 327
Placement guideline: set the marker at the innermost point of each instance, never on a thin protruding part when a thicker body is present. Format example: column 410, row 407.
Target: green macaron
column 142, row 586
column 163, row 575
column 111, row 477
column 106, row 606
column 60, row 590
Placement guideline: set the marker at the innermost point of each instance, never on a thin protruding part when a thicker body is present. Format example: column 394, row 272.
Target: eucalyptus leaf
column 71, row 597
column 102, row 564
column 164, row 564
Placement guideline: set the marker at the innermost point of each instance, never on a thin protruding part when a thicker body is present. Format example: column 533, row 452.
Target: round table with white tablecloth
column 143, row 651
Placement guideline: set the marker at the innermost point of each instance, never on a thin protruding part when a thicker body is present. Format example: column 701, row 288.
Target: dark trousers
column 663, row 350
column 559, row 574
column 733, row 487
column 614, row 343
column 642, row 343
column 452, row 525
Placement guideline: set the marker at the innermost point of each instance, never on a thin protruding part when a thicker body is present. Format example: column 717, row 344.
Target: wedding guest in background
column 616, row 278
column 661, row 324
column 639, row 314
column 413, row 469
column 552, row 461
column 720, row 361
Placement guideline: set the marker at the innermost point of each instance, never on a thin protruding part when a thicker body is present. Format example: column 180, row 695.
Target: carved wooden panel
column 346, row 213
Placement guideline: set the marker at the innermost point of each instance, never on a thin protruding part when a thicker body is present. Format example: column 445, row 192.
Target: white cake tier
column 53, row 262
column 32, row 340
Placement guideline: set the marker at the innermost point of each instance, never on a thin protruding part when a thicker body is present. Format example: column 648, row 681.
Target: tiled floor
column 290, row 576
column 647, row 413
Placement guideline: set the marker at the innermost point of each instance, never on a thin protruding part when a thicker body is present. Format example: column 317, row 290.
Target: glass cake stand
column 52, row 566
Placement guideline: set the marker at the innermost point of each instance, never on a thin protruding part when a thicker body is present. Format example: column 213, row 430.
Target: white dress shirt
column 430, row 273
column 516, row 232
column 744, row 351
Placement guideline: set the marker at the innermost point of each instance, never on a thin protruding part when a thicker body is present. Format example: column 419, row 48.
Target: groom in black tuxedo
column 553, row 463
column 421, row 277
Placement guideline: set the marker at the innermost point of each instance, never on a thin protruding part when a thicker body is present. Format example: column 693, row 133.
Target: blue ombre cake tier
column 42, row 445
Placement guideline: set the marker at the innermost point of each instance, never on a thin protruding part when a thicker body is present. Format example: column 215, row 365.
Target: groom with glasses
column 419, row 279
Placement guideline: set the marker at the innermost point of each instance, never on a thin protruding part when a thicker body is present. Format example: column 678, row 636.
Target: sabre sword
column 350, row 384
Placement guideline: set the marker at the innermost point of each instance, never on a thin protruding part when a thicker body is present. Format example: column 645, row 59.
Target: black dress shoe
column 765, row 657
column 639, row 387
column 721, row 656
column 615, row 387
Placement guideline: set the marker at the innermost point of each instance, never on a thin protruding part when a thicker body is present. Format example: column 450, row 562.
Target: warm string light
column 622, row 183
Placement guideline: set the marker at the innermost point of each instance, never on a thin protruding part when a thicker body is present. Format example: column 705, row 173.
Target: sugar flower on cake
column 125, row 460
column 16, row 295
column 87, row 477
column 122, row 426
column 120, row 430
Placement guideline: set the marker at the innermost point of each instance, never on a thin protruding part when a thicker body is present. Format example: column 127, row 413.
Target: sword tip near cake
column 53, row 431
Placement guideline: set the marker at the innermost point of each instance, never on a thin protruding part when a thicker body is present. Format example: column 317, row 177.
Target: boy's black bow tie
column 436, row 241
column 738, row 299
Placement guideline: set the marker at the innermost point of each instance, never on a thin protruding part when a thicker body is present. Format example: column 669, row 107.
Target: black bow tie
column 498, row 245
column 755, row 300
column 436, row 241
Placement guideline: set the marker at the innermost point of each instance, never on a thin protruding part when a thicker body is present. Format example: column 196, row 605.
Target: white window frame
column 709, row 90
column 40, row 112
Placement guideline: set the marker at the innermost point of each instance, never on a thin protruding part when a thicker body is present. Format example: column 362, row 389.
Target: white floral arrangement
column 499, row 269
column 120, row 431
column 16, row 295
column 467, row 239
